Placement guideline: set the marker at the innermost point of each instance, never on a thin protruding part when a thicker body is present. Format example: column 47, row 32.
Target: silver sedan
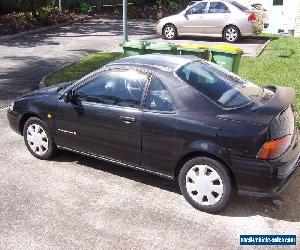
column 227, row 19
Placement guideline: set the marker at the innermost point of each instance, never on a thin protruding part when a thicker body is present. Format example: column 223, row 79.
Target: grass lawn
column 81, row 68
column 279, row 64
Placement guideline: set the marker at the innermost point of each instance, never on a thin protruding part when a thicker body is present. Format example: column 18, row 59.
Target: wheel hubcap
column 169, row 32
column 231, row 34
column 204, row 185
column 37, row 139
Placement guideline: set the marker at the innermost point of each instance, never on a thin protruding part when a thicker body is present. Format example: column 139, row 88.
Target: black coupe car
column 177, row 117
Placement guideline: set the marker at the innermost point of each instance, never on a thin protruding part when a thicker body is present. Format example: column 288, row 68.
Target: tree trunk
column 33, row 8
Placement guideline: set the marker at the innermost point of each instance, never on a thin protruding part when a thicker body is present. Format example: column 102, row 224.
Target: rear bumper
column 14, row 120
column 266, row 178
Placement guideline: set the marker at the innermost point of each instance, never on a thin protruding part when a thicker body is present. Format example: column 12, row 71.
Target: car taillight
column 252, row 18
column 273, row 149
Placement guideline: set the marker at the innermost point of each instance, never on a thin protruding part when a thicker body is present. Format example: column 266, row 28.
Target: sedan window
column 121, row 88
column 218, row 7
column 158, row 97
column 223, row 87
column 197, row 8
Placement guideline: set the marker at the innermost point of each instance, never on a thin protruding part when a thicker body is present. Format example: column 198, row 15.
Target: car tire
column 206, row 184
column 169, row 32
column 231, row 34
column 38, row 139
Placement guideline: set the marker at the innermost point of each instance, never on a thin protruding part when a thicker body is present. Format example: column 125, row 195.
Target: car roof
column 163, row 62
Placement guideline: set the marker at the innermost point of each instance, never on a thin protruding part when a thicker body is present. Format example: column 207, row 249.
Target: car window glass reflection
column 218, row 7
column 158, row 97
column 121, row 88
column 221, row 86
column 198, row 8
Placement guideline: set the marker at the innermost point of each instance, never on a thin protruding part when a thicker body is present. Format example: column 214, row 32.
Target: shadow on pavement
column 286, row 207
column 20, row 79
column 245, row 40
column 90, row 28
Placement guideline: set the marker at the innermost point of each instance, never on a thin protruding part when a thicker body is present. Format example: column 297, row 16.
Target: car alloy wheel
column 206, row 184
column 231, row 34
column 37, row 139
column 170, row 32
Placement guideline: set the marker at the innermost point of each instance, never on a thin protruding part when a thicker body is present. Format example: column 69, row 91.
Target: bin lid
column 161, row 46
column 135, row 44
column 193, row 46
column 227, row 49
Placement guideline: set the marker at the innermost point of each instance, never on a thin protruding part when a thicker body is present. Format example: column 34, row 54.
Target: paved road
column 75, row 202
column 24, row 61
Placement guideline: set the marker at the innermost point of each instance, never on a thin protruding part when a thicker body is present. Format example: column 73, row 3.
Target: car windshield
column 222, row 86
column 240, row 6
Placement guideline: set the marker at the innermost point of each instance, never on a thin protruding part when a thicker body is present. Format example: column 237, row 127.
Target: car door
column 193, row 19
column 216, row 18
column 159, row 116
column 104, row 117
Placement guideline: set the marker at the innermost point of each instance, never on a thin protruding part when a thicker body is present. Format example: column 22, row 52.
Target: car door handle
column 127, row 119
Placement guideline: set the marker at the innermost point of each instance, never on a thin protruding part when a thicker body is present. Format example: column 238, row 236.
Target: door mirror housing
column 68, row 96
column 188, row 12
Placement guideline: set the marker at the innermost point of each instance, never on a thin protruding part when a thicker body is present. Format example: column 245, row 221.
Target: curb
column 41, row 30
column 262, row 49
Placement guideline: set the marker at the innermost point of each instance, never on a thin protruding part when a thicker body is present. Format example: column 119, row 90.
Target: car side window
column 158, row 97
column 117, row 87
column 197, row 9
column 218, row 7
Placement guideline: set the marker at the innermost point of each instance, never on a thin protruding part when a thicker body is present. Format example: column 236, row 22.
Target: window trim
column 205, row 11
column 228, row 10
column 96, row 74
column 200, row 92
column 174, row 104
column 274, row 3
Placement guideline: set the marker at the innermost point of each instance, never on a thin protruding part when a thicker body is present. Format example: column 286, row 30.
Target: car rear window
column 240, row 6
column 221, row 86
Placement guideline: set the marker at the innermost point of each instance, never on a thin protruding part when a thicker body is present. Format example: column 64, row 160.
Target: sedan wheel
column 170, row 32
column 206, row 184
column 231, row 34
column 38, row 139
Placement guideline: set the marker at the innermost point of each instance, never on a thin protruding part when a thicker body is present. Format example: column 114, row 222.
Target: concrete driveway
column 74, row 202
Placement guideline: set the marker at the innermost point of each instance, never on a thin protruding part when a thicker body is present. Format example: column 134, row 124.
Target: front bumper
column 14, row 120
column 266, row 178
column 158, row 28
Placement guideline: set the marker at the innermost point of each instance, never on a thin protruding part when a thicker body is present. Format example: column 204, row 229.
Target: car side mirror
column 68, row 96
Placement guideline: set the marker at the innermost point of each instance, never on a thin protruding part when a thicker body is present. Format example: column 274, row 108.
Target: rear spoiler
column 284, row 97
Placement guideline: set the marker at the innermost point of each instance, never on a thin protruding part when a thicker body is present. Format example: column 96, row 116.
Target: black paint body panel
column 158, row 141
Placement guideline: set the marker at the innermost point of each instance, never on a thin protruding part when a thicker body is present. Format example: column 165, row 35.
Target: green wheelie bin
column 132, row 48
column 160, row 48
column 227, row 56
column 198, row 50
